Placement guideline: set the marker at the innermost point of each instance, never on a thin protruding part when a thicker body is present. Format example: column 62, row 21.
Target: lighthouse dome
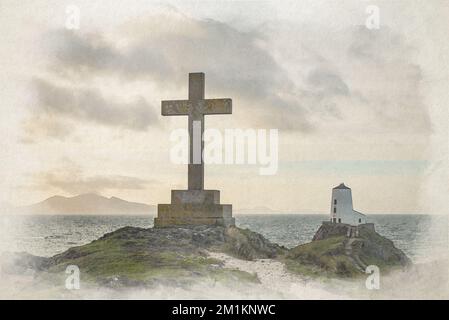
column 342, row 186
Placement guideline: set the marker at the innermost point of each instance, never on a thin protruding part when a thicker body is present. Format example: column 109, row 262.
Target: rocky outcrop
column 249, row 245
column 345, row 251
column 328, row 229
column 133, row 256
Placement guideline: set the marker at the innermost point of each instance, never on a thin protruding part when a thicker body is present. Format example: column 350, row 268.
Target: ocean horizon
column 420, row 236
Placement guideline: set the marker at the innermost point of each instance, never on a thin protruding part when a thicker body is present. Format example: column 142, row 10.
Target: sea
column 422, row 237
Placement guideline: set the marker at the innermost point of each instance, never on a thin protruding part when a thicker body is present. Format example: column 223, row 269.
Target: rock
column 133, row 256
column 328, row 230
column 345, row 251
column 249, row 245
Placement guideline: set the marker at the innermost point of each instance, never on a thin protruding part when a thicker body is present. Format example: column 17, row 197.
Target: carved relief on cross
column 195, row 108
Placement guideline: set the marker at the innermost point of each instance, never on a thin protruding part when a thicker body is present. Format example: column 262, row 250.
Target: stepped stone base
column 194, row 207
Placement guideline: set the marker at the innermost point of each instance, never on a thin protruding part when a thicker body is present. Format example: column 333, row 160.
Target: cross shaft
column 195, row 108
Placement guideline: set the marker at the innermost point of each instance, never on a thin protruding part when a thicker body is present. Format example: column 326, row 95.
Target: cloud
column 76, row 54
column 388, row 81
column 45, row 125
column 362, row 79
column 354, row 80
column 73, row 181
column 237, row 62
column 327, row 83
column 89, row 105
column 178, row 45
column 376, row 46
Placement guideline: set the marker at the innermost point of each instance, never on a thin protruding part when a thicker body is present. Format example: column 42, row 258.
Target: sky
column 80, row 108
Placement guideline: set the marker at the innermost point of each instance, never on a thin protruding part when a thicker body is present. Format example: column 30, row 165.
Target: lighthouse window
column 360, row 220
column 335, row 210
column 335, row 201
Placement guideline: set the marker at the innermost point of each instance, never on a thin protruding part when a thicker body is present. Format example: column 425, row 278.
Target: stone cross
column 195, row 108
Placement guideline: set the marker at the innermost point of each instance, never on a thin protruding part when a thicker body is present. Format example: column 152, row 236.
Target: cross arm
column 175, row 107
column 207, row 106
column 217, row 106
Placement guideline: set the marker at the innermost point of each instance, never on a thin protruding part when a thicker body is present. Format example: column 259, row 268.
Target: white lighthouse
column 341, row 207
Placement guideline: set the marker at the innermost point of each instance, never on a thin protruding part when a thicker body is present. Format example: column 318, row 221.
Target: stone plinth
column 194, row 207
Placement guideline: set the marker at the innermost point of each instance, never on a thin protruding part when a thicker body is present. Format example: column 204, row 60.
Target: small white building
column 341, row 207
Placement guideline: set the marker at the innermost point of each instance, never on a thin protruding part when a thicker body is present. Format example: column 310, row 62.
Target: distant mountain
column 86, row 204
